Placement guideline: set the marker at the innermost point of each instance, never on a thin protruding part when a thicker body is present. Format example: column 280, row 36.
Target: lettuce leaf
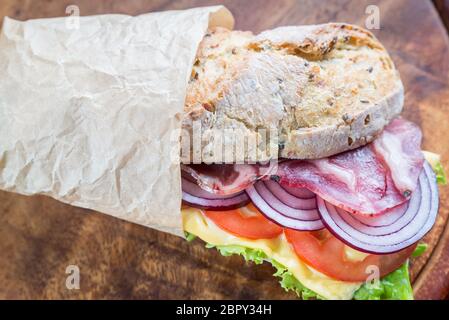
column 189, row 236
column 420, row 249
column 254, row 255
column 434, row 160
column 287, row 280
column 290, row 283
column 439, row 172
column 395, row 286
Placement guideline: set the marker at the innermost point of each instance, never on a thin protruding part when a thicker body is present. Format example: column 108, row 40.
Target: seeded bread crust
column 325, row 89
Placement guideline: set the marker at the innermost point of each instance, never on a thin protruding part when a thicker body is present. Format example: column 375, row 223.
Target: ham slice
column 367, row 180
column 226, row 179
column 399, row 146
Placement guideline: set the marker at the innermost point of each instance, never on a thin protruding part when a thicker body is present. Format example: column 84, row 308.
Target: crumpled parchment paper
column 91, row 115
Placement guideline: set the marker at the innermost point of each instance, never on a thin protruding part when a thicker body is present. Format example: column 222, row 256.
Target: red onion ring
column 281, row 213
column 307, row 198
column 392, row 231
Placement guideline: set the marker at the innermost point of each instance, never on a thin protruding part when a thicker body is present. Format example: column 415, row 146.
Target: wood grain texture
column 40, row 237
column 442, row 7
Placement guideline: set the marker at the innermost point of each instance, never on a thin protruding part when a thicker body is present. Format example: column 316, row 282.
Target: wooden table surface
column 40, row 237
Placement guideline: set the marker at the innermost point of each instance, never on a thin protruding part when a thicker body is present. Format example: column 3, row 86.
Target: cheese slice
column 277, row 249
column 433, row 158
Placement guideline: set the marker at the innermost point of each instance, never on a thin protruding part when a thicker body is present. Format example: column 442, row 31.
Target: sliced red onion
column 392, row 231
column 275, row 209
column 194, row 196
column 307, row 199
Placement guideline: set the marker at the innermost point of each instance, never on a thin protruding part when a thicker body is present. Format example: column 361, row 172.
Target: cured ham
column 366, row 187
column 399, row 147
column 367, row 180
column 226, row 179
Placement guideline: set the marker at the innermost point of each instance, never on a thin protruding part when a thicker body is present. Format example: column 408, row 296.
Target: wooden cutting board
column 40, row 237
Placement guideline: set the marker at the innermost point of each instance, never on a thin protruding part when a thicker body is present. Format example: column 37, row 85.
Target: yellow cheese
column 277, row 249
column 433, row 158
column 354, row 255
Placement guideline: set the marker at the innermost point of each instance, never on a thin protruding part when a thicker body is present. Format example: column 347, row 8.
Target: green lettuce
column 254, row 255
column 287, row 280
column 439, row 172
column 290, row 283
column 420, row 249
column 394, row 286
column 434, row 160
column 189, row 236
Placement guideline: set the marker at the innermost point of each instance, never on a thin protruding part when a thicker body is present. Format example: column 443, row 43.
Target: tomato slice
column 326, row 253
column 246, row 222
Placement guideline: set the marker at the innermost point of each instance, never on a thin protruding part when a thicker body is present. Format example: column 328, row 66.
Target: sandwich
column 330, row 184
column 292, row 150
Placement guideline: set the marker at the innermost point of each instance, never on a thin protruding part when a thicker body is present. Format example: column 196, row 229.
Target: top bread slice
column 324, row 89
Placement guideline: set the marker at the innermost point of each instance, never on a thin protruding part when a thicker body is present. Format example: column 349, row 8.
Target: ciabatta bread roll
column 324, row 88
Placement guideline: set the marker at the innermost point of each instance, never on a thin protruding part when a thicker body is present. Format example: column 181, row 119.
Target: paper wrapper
column 91, row 116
